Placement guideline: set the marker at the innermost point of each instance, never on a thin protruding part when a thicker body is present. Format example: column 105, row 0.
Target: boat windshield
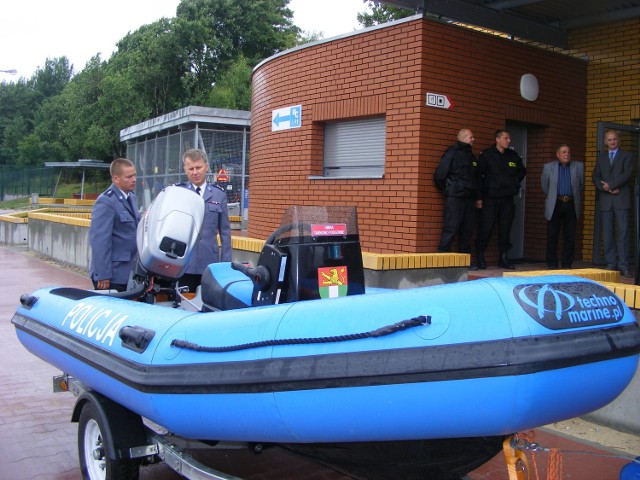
column 318, row 222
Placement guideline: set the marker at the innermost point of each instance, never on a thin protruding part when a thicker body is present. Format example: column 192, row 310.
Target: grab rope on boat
column 380, row 332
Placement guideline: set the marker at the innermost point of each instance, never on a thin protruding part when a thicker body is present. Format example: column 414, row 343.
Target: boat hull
column 489, row 363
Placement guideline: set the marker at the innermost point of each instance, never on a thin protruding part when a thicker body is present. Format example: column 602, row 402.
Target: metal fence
column 159, row 161
column 47, row 182
column 18, row 183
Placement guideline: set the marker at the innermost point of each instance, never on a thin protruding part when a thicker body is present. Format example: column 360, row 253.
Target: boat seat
column 223, row 288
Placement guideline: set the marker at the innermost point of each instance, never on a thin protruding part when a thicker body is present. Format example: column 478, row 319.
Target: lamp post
column 13, row 71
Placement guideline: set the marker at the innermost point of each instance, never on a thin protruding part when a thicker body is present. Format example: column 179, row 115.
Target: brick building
column 381, row 76
column 613, row 96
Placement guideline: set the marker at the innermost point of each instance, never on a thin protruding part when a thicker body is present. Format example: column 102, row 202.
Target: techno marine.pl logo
column 569, row 305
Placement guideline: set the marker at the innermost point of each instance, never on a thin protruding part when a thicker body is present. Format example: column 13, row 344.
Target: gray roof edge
column 192, row 113
column 338, row 37
column 82, row 163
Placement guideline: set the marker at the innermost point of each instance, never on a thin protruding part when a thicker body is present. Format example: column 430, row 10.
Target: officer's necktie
column 130, row 202
column 198, row 190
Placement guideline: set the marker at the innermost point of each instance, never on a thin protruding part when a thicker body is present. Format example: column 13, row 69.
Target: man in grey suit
column 611, row 177
column 562, row 183
column 112, row 234
column 216, row 219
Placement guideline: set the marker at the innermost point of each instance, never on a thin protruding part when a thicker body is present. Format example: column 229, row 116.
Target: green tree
column 16, row 110
column 381, row 13
column 14, row 131
column 233, row 90
column 19, row 103
column 51, row 79
column 153, row 63
column 83, row 115
column 98, row 103
column 119, row 106
column 31, row 151
column 202, row 56
column 49, row 123
column 253, row 28
column 216, row 32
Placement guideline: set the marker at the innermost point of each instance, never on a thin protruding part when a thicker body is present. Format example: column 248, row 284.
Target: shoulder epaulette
column 109, row 192
column 218, row 187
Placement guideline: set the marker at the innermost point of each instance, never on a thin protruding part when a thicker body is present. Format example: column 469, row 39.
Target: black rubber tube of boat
column 380, row 332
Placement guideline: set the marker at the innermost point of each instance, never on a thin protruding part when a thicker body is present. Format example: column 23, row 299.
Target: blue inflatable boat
column 295, row 350
column 458, row 360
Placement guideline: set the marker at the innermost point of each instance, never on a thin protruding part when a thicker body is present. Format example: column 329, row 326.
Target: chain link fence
column 159, row 161
column 20, row 183
column 48, row 182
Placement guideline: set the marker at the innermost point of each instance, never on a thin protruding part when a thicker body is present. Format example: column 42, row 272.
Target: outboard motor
column 315, row 253
column 168, row 234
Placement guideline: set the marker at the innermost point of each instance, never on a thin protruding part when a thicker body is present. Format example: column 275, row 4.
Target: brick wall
column 388, row 71
column 613, row 51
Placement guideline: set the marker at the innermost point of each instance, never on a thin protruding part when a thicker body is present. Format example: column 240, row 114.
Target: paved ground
column 38, row 442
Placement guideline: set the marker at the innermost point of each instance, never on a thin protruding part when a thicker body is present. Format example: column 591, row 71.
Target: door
column 518, row 135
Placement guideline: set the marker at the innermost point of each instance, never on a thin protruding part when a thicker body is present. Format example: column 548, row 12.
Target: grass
column 16, row 204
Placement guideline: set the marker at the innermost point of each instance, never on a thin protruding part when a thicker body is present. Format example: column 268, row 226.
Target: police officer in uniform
column 456, row 176
column 216, row 219
column 501, row 171
column 112, row 234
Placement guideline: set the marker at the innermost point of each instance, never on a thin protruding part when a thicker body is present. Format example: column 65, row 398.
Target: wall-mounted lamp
column 529, row 87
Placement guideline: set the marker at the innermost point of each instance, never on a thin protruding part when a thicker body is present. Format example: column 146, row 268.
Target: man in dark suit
column 216, row 219
column 611, row 177
column 562, row 183
column 112, row 234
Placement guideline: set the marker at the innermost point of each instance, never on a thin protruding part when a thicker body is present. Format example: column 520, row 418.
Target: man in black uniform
column 456, row 177
column 501, row 170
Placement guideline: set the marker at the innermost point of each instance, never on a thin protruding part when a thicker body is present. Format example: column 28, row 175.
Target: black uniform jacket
column 501, row 172
column 457, row 173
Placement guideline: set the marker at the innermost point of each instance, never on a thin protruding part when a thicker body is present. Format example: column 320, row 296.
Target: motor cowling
column 169, row 231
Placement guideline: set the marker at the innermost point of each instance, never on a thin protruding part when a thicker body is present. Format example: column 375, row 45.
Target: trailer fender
column 124, row 429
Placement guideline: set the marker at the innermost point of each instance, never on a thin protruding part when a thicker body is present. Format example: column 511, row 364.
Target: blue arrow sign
column 286, row 118
column 283, row 118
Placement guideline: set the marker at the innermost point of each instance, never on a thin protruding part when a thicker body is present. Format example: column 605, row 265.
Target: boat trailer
column 160, row 446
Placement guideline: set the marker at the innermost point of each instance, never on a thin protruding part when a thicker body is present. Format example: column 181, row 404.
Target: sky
column 32, row 31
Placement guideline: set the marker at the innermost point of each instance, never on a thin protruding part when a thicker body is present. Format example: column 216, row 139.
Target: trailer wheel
column 96, row 462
